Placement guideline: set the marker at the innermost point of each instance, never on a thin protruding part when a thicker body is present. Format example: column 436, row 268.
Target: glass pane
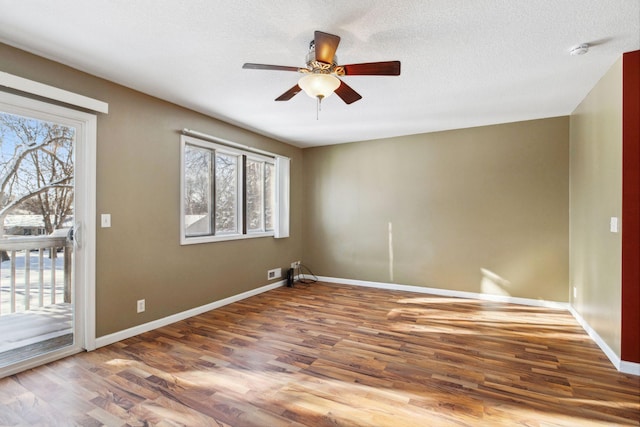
column 269, row 195
column 226, row 193
column 254, row 195
column 37, row 204
column 197, row 190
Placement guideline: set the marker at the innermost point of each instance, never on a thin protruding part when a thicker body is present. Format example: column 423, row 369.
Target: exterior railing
column 37, row 273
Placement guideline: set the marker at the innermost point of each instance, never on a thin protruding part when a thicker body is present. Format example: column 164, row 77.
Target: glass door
column 41, row 304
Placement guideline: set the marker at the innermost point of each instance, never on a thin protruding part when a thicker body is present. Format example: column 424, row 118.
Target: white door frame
column 84, row 217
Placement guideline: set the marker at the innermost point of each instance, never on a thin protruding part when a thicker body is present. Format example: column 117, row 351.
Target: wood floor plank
column 337, row 355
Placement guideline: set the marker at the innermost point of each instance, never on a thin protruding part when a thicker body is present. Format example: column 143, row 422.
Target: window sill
column 223, row 238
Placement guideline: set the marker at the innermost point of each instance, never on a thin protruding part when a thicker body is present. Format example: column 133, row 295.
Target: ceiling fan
column 322, row 71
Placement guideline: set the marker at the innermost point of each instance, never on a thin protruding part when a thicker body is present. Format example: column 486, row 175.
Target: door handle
column 77, row 235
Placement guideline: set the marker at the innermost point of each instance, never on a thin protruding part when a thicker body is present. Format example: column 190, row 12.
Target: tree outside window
column 227, row 193
column 36, row 170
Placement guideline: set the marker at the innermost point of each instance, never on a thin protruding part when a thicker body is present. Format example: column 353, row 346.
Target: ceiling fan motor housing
column 318, row 67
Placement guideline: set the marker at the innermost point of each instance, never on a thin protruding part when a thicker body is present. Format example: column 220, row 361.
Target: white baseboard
column 621, row 365
column 449, row 293
column 146, row 327
column 630, row 368
column 608, row 351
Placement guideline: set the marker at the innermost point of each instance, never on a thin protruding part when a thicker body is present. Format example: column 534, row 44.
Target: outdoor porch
column 35, row 296
column 27, row 334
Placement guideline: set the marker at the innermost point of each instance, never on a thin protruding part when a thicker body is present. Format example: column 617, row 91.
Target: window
column 230, row 193
column 260, row 194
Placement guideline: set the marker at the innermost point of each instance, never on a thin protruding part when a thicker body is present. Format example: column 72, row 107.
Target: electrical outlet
column 575, row 292
column 276, row 273
column 295, row 264
column 141, row 306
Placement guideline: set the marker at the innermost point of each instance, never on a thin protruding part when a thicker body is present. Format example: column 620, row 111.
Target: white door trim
column 50, row 92
column 85, row 214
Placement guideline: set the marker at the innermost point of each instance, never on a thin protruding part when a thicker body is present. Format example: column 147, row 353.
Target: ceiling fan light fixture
column 319, row 85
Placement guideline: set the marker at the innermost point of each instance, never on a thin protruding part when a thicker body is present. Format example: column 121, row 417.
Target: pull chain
column 318, row 105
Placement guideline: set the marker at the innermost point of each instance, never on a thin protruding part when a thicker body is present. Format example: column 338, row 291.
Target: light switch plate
column 613, row 224
column 105, row 220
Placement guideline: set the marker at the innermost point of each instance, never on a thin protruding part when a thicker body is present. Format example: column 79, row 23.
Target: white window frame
column 239, row 190
column 281, row 208
column 263, row 160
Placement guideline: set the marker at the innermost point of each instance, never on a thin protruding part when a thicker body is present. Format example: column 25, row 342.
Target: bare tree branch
column 36, row 168
column 6, row 209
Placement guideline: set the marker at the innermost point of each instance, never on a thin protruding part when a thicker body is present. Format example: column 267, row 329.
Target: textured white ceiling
column 464, row 62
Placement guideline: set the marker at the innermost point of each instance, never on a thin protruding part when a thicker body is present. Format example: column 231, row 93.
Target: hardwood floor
column 330, row 355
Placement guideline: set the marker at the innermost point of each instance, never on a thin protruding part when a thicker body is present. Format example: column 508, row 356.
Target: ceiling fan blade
column 347, row 94
column 325, row 46
column 269, row 67
column 388, row 68
column 289, row 94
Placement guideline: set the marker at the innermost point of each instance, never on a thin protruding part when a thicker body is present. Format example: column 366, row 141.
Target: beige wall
column 596, row 196
column 138, row 184
column 479, row 210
